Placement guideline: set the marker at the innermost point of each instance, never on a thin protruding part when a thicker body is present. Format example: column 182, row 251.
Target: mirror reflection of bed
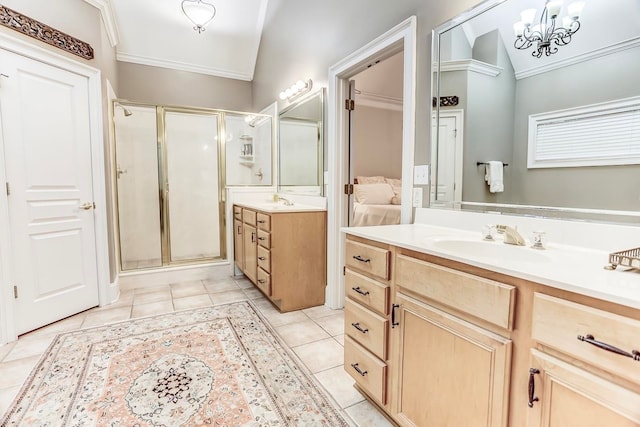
column 376, row 201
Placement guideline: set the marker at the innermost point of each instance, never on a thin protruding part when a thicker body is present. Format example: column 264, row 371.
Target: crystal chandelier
column 546, row 36
column 199, row 13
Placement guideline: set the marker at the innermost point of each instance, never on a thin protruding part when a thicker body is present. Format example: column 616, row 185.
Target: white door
column 47, row 143
column 448, row 176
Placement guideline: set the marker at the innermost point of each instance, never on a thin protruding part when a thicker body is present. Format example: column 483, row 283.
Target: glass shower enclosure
column 169, row 185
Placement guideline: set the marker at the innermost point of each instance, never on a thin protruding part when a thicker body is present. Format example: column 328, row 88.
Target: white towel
column 493, row 176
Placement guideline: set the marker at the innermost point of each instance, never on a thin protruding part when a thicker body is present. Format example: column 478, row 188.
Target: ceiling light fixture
column 547, row 34
column 297, row 89
column 199, row 13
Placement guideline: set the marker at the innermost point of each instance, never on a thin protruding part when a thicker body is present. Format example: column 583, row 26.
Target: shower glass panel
column 192, row 184
column 136, row 141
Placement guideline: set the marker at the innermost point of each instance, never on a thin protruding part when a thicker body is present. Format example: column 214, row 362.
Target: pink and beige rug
column 221, row 366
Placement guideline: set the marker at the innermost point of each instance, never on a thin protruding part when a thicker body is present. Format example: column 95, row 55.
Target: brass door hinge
column 15, row 292
column 348, row 189
column 8, row 188
column 349, row 104
column 344, row 270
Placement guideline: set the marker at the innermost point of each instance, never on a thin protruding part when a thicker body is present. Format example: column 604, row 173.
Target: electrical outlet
column 417, row 197
column 421, row 175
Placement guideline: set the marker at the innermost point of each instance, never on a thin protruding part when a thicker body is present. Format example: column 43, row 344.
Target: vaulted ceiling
column 157, row 33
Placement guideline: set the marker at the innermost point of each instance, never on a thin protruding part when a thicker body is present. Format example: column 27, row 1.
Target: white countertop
column 564, row 267
column 280, row 207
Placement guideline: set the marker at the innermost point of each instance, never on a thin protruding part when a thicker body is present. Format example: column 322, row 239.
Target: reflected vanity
column 300, row 152
column 500, row 92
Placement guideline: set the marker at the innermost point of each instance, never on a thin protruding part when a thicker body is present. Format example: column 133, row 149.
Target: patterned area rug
column 221, row 366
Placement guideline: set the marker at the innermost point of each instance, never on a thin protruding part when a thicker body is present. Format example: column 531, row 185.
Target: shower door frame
column 163, row 205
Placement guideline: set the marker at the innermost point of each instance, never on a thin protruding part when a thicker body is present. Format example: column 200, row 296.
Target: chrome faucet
column 286, row 202
column 511, row 235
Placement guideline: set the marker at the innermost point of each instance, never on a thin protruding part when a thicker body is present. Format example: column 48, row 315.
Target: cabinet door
column 250, row 252
column 238, row 250
column 447, row 372
column 566, row 395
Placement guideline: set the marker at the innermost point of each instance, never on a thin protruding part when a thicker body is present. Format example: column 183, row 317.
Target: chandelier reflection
column 547, row 35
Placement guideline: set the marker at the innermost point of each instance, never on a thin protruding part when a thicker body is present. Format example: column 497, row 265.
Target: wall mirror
column 300, row 146
column 566, row 125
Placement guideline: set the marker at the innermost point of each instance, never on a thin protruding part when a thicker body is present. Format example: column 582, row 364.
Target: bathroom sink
column 492, row 250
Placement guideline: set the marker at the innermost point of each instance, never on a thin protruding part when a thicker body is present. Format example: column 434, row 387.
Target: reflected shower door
column 136, row 142
column 192, row 186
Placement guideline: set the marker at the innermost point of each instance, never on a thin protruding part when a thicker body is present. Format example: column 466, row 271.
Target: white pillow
column 373, row 194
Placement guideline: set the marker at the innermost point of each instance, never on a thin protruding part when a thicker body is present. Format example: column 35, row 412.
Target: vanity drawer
column 264, row 239
column 264, row 282
column 367, row 291
column 264, row 259
column 369, row 259
column 366, row 327
column 482, row 298
column 558, row 323
column 264, row 221
column 237, row 213
column 249, row 217
column 368, row 372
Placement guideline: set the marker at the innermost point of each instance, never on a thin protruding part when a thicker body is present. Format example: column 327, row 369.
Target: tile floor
column 316, row 335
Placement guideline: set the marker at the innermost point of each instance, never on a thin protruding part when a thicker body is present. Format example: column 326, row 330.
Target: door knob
column 87, row 206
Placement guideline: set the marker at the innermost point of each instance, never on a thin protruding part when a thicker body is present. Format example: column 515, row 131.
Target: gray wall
column 303, row 38
column 163, row 86
column 603, row 187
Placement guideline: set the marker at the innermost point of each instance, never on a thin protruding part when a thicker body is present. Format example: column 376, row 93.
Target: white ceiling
column 156, row 32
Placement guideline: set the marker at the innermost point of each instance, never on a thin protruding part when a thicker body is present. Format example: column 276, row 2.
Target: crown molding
column 469, row 65
column 182, row 66
column 108, row 18
column 379, row 101
column 597, row 53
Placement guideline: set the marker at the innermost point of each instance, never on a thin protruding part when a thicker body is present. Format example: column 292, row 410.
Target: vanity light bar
column 297, row 89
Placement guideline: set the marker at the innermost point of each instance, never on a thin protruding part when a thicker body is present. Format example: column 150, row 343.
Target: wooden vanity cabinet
column 449, row 370
column 285, row 256
column 573, row 376
column 471, row 347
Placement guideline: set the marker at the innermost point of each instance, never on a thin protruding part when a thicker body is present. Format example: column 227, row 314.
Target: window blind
column 597, row 135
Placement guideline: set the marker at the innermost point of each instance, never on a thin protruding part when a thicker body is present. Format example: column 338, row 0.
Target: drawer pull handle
column 358, row 370
column 261, row 258
column 393, row 315
column 261, row 221
column 261, row 238
column 358, row 327
column 360, row 291
column 359, row 258
column 532, row 387
column 635, row 354
column 261, row 281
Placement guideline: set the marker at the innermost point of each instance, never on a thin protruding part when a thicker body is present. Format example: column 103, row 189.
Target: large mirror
column 300, row 146
column 565, row 125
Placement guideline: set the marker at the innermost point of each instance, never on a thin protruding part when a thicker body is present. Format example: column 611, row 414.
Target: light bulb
column 300, row 84
column 527, row 16
column 283, row 95
column 575, row 9
column 553, row 8
column 567, row 21
column 518, row 28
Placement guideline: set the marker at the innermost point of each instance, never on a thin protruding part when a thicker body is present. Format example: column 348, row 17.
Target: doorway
column 169, row 180
column 400, row 38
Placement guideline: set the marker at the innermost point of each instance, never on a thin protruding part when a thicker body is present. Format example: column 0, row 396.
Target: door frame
column 401, row 37
column 32, row 51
